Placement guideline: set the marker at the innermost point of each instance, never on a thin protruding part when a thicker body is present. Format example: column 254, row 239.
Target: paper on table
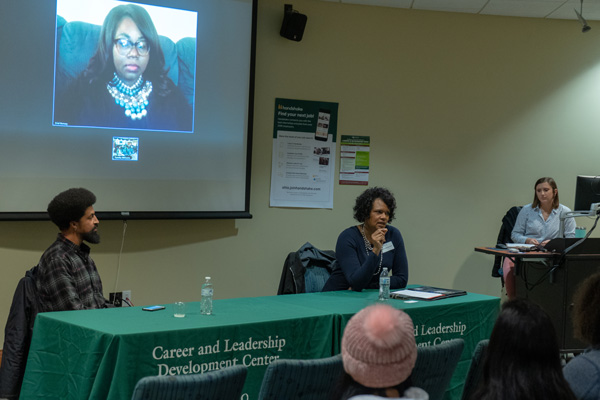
column 517, row 245
column 417, row 294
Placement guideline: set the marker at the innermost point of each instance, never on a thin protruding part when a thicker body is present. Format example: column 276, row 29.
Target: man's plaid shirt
column 67, row 278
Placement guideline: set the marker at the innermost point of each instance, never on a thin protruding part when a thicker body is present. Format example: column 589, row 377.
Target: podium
column 551, row 279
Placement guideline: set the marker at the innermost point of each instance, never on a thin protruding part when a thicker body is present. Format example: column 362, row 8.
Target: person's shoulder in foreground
column 583, row 371
column 413, row 393
column 583, row 374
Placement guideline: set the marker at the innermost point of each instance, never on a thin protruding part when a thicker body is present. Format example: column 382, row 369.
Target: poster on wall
column 304, row 138
column 354, row 160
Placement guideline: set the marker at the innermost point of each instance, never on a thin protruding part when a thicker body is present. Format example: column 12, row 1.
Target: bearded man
column 67, row 278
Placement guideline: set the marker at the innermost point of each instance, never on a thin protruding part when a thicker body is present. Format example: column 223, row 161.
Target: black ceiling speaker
column 293, row 24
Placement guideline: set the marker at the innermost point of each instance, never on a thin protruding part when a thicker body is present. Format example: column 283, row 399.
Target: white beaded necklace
column 369, row 247
column 134, row 98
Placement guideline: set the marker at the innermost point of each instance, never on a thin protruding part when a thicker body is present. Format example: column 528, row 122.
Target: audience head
column 523, row 358
column 542, row 181
column 69, row 206
column 378, row 347
column 586, row 311
column 364, row 203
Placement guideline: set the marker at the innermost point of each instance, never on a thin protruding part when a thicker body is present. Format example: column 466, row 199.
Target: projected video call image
column 124, row 65
column 125, row 148
column 142, row 95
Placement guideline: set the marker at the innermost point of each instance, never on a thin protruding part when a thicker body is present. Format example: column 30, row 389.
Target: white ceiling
column 555, row 9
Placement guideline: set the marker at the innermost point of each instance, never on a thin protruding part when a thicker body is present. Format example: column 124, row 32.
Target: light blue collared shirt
column 530, row 224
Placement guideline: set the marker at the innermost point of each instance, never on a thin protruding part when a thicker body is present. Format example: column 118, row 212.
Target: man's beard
column 91, row 237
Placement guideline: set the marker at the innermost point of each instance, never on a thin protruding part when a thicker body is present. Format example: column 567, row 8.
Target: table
column 550, row 280
column 516, row 255
column 519, row 257
column 101, row 354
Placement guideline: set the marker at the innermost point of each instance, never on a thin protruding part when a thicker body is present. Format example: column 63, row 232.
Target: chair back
column 223, row 384
column 508, row 223
column 474, row 373
column 315, row 278
column 301, row 379
column 19, row 330
column 435, row 366
column 306, row 270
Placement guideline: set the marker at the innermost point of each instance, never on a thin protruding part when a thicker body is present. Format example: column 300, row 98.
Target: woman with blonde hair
column 536, row 224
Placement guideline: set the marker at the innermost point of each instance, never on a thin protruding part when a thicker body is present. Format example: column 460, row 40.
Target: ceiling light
column 584, row 23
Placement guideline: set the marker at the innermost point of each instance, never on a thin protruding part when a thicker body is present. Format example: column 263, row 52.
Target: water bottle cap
column 208, row 277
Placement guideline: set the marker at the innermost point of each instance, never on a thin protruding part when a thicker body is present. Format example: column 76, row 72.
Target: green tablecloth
column 101, row 354
column 469, row 317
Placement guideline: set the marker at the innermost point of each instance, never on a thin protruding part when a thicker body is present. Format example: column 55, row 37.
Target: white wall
column 464, row 111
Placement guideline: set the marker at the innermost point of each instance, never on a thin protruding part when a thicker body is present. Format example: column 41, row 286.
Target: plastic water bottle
column 384, row 285
column 207, row 297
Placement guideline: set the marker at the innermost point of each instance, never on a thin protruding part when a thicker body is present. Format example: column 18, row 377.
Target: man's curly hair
column 364, row 203
column 586, row 311
column 70, row 205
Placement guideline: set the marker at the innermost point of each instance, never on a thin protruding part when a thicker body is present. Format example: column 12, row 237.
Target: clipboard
column 427, row 293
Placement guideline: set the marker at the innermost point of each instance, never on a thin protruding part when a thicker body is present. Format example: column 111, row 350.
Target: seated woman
column 583, row 371
column 363, row 250
column 379, row 353
column 536, row 224
column 125, row 84
column 523, row 359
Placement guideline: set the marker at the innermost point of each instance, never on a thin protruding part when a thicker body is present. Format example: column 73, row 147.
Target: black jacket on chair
column 17, row 336
column 508, row 223
column 296, row 263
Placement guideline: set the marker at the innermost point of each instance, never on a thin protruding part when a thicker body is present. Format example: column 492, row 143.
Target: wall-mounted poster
column 354, row 160
column 304, row 138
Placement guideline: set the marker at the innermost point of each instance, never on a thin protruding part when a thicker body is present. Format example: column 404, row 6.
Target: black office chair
column 19, row 329
column 508, row 223
column 474, row 373
column 222, row 384
column 301, row 379
column 435, row 366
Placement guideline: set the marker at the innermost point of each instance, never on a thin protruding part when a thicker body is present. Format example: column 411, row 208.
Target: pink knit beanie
column 378, row 346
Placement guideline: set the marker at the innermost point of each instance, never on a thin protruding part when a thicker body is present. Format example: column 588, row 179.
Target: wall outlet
column 116, row 299
column 127, row 298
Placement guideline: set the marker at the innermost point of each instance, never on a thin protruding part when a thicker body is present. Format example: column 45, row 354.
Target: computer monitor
column 587, row 192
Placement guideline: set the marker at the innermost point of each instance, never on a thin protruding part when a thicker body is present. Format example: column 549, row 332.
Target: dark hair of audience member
column 586, row 311
column 523, row 359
